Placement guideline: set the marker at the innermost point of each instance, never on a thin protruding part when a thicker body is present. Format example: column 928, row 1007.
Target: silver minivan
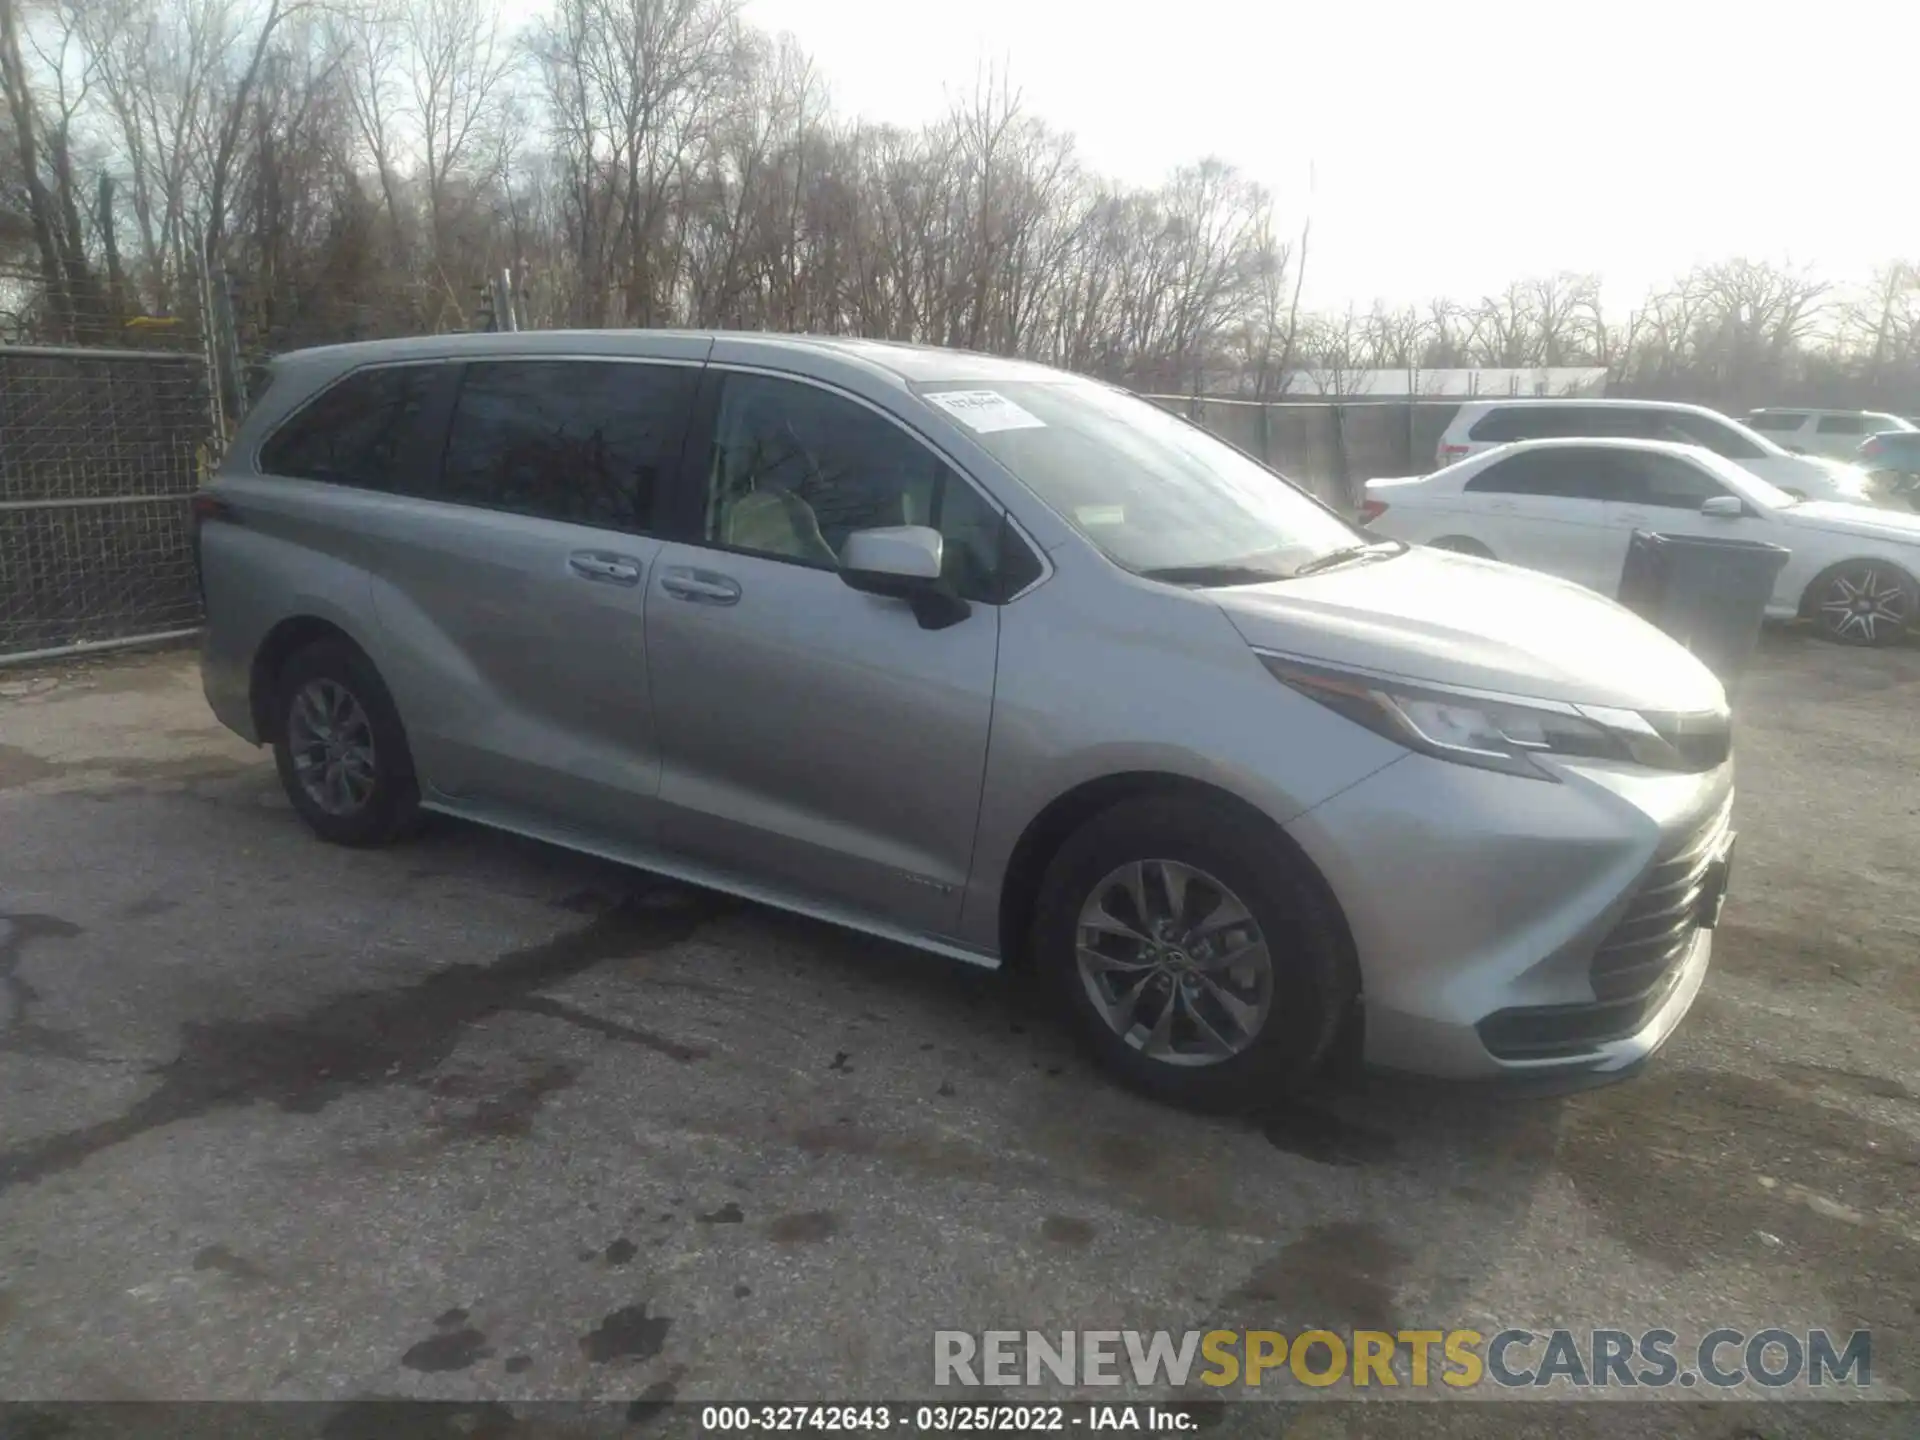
column 995, row 661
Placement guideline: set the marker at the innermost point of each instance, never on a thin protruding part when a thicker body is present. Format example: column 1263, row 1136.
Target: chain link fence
column 101, row 448
column 99, row 451
column 1333, row 447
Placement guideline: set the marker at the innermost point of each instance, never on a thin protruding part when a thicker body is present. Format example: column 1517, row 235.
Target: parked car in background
column 1892, row 460
column 1833, row 433
column 1568, row 507
column 744, row 610
column 1482, row 424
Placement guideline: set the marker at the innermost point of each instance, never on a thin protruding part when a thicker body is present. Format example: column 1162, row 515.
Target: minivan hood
column 1902, row 527
column 1455, row 619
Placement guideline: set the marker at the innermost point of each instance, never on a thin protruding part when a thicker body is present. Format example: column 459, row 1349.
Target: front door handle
column 603, row 566
column 701, row 587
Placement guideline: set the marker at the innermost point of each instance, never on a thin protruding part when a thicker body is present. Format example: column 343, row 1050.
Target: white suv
column 1480, row 425
column 1836, row 433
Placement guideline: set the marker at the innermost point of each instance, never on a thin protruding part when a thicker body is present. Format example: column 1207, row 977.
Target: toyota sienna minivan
column 991, row 660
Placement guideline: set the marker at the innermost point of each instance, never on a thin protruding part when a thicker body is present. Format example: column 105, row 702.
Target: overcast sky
column 1453, row 147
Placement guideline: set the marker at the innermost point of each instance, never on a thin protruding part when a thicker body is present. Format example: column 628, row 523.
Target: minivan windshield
column 1157, row 496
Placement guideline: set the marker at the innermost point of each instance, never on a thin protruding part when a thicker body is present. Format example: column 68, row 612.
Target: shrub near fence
column 99, row 451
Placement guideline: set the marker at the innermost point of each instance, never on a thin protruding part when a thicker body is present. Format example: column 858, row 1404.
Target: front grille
column 1635, row 967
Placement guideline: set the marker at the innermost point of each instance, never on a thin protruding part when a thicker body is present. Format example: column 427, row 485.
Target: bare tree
column 363, row 165
column 372, row 43
column 457, row 63
column 24, row 111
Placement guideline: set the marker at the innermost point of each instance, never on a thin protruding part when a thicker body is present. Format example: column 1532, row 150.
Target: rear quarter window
column 1688, row 427
column 354, row 431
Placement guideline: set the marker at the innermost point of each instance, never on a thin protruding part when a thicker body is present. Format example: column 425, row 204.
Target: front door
column 815, row 739
column 1665, row 497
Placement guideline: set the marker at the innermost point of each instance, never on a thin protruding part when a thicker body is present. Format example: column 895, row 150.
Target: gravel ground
column 477, row 1119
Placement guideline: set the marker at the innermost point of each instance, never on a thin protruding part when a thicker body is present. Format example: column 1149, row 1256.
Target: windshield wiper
column 1378, row 550
column 1204, row 575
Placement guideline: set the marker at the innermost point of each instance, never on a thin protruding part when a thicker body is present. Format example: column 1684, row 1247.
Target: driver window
column 1673, row 484
column 796, row 469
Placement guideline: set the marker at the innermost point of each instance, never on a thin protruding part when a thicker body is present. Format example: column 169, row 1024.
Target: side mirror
column 903, row 562
column 1724, row 507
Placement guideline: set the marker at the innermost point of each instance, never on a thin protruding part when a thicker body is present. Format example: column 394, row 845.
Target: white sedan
column 1568, row 507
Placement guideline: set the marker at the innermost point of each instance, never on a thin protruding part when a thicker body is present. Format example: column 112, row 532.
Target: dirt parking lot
column 475, row 1118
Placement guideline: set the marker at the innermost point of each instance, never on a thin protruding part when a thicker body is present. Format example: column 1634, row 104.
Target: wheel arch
column 286, row 638
column 1043, row 836
column 1807, row 596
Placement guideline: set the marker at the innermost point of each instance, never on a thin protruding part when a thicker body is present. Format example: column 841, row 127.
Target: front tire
column 340, row 749
column 1194, row 956
column 1462, row 545
column 1864, row 602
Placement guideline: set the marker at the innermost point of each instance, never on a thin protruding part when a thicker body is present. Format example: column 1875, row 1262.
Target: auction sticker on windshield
column 986, row 411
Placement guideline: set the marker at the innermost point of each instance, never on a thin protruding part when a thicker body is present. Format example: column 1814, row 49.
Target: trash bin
column 1708, row 593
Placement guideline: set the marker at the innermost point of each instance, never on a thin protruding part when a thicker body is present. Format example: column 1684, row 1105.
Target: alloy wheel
column 1174, row 963
column 331, row 742
column 1865, row 603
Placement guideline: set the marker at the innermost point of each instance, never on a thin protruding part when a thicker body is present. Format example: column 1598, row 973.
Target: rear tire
column 1221, row 996
column 1462, row 545
column 340, row 748
column 1863, row 602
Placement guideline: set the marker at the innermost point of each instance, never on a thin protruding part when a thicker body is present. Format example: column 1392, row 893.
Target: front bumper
column 1511, row 928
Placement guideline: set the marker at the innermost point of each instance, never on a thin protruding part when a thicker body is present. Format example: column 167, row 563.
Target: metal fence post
column 1340, row 454
column 505, row 316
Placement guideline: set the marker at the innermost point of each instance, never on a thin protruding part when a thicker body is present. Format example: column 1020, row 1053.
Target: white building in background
column 1561, row 380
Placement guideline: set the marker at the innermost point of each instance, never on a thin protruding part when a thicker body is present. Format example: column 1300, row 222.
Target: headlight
column 1504, row 733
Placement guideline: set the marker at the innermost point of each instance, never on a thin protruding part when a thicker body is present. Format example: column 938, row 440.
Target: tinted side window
column 353, row 431
column 1519, row 422
column 1563, row 472
column 1685, row 428
column 797, row 469
column 587, row 441
column 1597, row 474
column 1518, row 475
column 1492, row 428
column 1673, row 484
column 1775, row 423
column 1019, row 566
column 1844, row 425
column 1558, row 422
